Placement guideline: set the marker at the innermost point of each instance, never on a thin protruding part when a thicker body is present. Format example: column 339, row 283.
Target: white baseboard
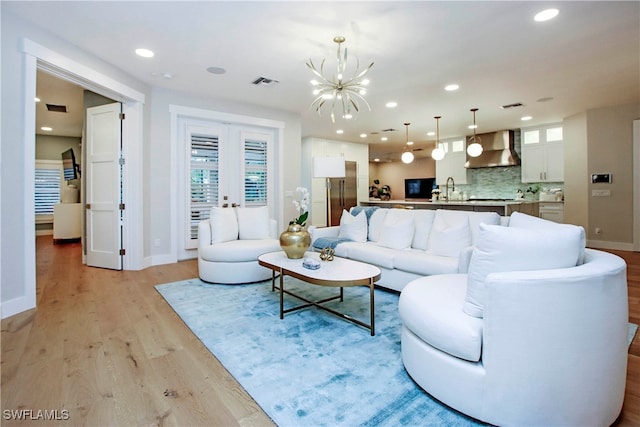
column 15, row 306
column 161, row 259
column 616, row 246
column 48, row 232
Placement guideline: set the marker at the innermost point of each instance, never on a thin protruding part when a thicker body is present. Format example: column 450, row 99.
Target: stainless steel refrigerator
column 343, row 193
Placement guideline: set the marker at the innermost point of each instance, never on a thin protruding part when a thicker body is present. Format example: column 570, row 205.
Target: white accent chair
column 67, row 221
column 542, row 347
column 230, row 242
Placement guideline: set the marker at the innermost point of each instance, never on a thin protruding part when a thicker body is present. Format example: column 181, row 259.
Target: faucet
column 453, row 186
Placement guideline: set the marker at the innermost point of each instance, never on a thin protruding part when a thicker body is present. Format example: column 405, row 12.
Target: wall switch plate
column 600, row 193
column 601, row 178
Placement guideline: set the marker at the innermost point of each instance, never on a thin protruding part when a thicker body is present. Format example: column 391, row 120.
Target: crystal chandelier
column 337, row 89
column 438, row 152
column 407, row 156
column 474, row 149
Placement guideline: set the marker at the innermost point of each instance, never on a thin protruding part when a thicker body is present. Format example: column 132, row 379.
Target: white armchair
column 230, row 242
column 540, row 347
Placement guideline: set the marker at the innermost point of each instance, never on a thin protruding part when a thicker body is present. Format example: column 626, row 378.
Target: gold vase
column 295, row 241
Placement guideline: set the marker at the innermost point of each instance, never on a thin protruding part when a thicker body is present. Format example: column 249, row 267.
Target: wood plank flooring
column 105, row 346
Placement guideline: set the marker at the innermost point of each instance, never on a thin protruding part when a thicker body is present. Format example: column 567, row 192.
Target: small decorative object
column 435, row 194
column 296, row 240
column 310, row 263
column 533, row 190
column 327, row 254
column 383, row 193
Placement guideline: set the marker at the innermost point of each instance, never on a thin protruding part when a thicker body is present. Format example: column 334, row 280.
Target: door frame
column 40, row 57
column 636, row 185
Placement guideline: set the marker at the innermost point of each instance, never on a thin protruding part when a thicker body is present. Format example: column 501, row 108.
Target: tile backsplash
column 499, row 182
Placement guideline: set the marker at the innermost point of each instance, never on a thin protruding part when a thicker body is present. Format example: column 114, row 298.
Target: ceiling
column 587, row 57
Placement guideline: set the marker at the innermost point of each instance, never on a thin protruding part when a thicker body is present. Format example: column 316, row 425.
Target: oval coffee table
column 340, row 273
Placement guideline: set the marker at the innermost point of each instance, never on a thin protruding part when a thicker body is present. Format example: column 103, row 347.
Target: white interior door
column 103, row 186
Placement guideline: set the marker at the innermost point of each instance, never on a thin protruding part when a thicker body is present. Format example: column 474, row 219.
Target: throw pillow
column 224, row 224
column 397, row 229
column 502, row 249
column 521, row 220
column 253, row 223
column 449, row 238
column 375, row 224
column 423, row 221
column 353, row 227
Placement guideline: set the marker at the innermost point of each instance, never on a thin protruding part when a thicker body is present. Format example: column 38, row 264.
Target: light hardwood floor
column 105, row 346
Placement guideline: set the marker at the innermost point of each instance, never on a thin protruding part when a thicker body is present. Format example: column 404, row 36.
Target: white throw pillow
column 397, row 229
column 521, row 220
column 253, row 223
column 224, row 224
column 375, row 224
column 449, row 235
column 353, row 227
column 501, row 249
column 423, row 219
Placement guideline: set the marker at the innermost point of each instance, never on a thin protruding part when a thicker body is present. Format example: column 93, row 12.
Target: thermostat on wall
column 601, row 178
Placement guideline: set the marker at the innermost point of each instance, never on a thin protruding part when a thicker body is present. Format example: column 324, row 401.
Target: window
column 204, row 179
column 48, row 181
column 255, row 172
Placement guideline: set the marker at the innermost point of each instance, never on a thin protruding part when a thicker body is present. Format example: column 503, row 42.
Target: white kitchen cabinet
column 453, row 163
column 551, row 211
column 542, row 154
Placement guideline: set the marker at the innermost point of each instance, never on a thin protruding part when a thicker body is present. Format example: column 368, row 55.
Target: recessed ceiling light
column 384, row 138
column 391, row 104
column 46, row 128
column 409, row 142
column 431, row 133
column 216, row 70
column 473, row 126
column 526, row 118
column 363, row 135
column 36, row 99
column 145, row 53
column 546, row 15
column 376, row 159
column 451, row 87
column 340, row 131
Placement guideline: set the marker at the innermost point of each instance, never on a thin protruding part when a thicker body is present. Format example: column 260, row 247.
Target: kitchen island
column 502, row 207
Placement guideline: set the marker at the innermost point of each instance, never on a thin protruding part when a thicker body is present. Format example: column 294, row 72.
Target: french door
column 225, row 165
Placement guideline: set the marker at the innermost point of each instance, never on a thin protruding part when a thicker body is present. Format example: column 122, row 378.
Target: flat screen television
column 418, row 188
column 69, row 165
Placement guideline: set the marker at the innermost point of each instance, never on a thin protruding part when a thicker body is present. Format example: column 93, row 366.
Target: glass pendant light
column 438, row 152
column 474, row 149
column 407, row 156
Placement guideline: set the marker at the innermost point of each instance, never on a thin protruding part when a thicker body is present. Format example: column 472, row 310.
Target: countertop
column 456, row 202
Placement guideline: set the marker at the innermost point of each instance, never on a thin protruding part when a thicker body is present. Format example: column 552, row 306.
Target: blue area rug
column 311, row 368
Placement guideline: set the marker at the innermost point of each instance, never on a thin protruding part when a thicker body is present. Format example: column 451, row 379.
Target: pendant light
column 438, row 152
column 474, row 149
column 407, row 156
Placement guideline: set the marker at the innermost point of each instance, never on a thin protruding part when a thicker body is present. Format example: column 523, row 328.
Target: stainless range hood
column 497, row 150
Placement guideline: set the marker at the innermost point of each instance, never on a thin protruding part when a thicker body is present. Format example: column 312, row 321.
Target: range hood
column 497, row 150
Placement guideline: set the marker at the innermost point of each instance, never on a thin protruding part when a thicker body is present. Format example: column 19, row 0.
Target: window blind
column 47, row 187
column 204, row 179
column 255, row 172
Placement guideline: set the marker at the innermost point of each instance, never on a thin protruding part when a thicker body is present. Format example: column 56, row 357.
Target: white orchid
column 302, row 206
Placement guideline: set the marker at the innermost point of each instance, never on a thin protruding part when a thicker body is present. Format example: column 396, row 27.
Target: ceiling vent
column 57, row 108
column 263, row 81
column 514, row 105
column 389, row 130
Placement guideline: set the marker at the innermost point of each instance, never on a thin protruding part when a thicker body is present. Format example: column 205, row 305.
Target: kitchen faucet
column 453, row 186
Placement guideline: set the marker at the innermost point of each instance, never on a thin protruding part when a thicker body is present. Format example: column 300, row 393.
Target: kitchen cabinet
column 452, row 165
column 551, row 211
column 542, row 154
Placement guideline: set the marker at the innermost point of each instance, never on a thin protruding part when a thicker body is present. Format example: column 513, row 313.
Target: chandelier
column 438, row 152
column 474, row 149
column 407, row 155
column 337, row 89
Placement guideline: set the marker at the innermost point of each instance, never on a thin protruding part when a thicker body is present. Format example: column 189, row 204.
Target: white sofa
column 230, row 242
column 535, row 334
column 407, row 244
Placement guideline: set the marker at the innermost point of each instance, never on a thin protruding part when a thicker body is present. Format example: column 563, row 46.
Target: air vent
column 389, row 130
column 514, row 105
column 263, row 81
column 57, row 108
